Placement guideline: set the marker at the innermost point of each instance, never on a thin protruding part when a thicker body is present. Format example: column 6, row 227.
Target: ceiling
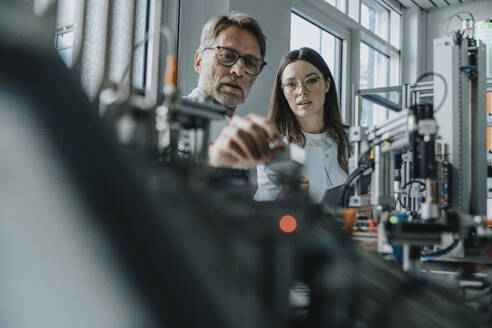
column 429, row 4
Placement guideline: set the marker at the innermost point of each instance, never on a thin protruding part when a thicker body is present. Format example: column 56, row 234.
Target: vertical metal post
column 377, row 178
column 79, row 22
column 357, row 146
column 132, row 48
column 109, row 17
column 478, row 132
column 152, row 59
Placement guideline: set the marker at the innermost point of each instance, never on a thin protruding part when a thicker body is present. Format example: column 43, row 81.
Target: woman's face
column 305, row 90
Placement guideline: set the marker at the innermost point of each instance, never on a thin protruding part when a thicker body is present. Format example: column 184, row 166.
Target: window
column 395, row 23
column 379, row 60
column 360, row 42
column 339, row 4
column 91, row 18
column 375, row 18
column 374, row 73
column 353, row 9
column 306, row 34
column 374, row 68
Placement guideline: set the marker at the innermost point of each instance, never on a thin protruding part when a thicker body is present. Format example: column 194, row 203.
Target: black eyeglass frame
column 262, row 62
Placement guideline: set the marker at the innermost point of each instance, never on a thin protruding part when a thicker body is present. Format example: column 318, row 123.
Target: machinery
column 428, row 168
column 122, row 227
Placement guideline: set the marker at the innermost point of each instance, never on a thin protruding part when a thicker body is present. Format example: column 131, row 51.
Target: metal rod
column 357, row 145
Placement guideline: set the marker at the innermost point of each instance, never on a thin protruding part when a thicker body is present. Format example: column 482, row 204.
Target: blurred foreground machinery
column 94, row 236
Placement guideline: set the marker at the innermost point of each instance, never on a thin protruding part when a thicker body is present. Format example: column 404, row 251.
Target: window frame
column 352, row 33
column 344, row 9
column 338, row 52
column 374, row 4
column 321, row 13
column 374, row 106
column 388, row 68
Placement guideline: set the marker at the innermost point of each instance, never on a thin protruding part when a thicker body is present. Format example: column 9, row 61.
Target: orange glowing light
column 287, row 223
column 350, row 216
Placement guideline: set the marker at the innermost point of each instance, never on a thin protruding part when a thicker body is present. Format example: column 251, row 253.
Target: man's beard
column 228, row 99
column 213, row 89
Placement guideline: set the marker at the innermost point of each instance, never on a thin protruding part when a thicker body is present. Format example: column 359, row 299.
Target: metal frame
column 462, row 123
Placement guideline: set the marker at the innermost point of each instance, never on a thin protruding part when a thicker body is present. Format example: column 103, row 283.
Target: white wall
column 274, row 18
column 413, row 44
column 195, row 13
column 480, row 10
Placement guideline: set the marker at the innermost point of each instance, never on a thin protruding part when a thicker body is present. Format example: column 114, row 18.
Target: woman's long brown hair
column 285, row 120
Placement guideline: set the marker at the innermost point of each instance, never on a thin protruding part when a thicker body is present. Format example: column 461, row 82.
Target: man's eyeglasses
column 229, row 56
column 311, row 83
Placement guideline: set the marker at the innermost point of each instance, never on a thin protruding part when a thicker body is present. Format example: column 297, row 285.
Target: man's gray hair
column 217, row 24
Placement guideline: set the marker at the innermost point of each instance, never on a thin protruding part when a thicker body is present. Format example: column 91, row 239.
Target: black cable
column 409, row 183
column 347, row 184
column 440, row 252
column 412, row 182
column 423, row 76
column 359, row 172
column 457, row 15
column 364, row 163
column 364, row 157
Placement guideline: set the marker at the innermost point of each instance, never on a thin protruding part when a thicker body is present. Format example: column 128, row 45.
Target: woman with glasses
column 304, row 108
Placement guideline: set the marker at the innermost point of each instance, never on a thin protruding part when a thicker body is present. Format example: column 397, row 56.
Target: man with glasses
column 230, row 57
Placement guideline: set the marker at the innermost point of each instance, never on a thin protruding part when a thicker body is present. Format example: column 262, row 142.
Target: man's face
column 227, row 85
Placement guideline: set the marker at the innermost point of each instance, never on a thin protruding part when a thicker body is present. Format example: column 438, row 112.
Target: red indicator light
column 287, row 223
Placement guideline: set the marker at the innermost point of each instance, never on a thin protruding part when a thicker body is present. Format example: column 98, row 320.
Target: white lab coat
column 216, row 126
column 321, row 169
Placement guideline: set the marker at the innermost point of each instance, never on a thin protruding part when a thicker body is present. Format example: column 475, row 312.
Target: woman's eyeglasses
column 311, row 83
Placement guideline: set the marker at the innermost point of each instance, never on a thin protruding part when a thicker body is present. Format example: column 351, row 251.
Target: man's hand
column 245, row 142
